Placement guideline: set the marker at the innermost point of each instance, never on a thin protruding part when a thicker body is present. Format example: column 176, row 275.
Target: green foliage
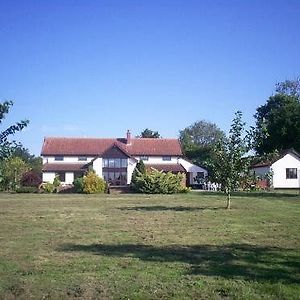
column 27, row 189
column 35, row 163
column 93, row 184
column 278, row 121
column 229, row 163
column 289, row 87
column 78, row 185
column 198, row 140
column 56, row 183
column 148, row 133
column 48, row 188
column 6, row 146
column 138, row 170
column 156, row 182
column 11, row 172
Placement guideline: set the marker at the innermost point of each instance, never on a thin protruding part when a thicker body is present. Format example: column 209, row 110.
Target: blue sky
column 98, row 68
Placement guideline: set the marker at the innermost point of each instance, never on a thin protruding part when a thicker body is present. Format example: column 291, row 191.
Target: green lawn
column 149, row 247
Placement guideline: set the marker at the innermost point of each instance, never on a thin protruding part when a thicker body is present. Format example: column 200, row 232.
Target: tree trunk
column 228, row 200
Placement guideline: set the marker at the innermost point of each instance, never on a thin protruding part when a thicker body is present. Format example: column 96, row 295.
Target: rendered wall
column 279, row 170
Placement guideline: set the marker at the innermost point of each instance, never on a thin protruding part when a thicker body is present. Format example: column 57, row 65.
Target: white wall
column 158, row 160
column 48, row 176
column 97, row 166
column 67, row 159
column 190, row 167
column 130, row 167
column 279, row 170
column 69, row 178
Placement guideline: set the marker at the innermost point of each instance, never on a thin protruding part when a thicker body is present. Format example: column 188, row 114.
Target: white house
column 113, row 159
column 285, row 170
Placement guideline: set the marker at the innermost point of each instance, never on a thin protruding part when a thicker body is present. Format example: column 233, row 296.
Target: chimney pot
column 128, row 136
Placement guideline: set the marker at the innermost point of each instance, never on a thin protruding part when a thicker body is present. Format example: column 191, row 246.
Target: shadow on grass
column 239, row 261
column 170, row 208
column 252, row 194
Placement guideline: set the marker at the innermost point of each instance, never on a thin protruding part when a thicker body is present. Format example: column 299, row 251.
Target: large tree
column 34, row 162
column 148, row 133
column 229, row 162
column 198, row 139
column 7, row 146
column 278, row 121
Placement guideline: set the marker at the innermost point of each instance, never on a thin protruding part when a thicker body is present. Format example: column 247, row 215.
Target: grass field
column 149, row 247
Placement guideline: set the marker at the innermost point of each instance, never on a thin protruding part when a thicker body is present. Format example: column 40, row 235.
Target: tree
column 278, row 121
column 12, row 171
column 229, row 163
column 148, row 133
column 7, row 146
column 139, row 169
column 198, row 139
column 35, row 162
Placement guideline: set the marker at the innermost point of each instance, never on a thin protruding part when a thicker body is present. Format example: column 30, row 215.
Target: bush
column 93, row 184
column 139, row 170
column 78, row 185
column 155, row 182
column 48, row 187
column 56, row 183
column 31, row 179
column 27, row 189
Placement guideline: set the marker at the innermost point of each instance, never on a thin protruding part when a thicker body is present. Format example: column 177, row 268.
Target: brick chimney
column 128, row 137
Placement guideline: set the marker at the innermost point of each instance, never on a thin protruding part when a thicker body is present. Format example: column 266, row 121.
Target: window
column 124, row 163
column 117, row 163
column 105, row 163
column 166, row 158
column 61, row 176
column 144, row 157
column 291, row 173
column 58, row 158
column 82, row 158
column 200, row 175
column 111, row 163
column 114, row 163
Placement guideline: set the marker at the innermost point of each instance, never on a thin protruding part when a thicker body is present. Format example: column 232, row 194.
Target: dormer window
column 144, row 158
column 166, row 158
column 82, row 158
column 58, row 158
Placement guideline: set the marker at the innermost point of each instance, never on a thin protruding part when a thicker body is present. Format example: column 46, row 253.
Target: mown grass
column 149, row 247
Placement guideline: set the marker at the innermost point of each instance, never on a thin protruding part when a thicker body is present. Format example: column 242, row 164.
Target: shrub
column 155, row 182
column 139, row 170
column 31, row 179
column 48, row 187
column 56, row 183
column 78, row 185
column 92, row 183
column 27, row 189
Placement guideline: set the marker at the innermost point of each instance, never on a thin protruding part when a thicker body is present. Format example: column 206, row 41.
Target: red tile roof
column 64, row 167
column 97, row 146
column 175, row 168
column 260, row 165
